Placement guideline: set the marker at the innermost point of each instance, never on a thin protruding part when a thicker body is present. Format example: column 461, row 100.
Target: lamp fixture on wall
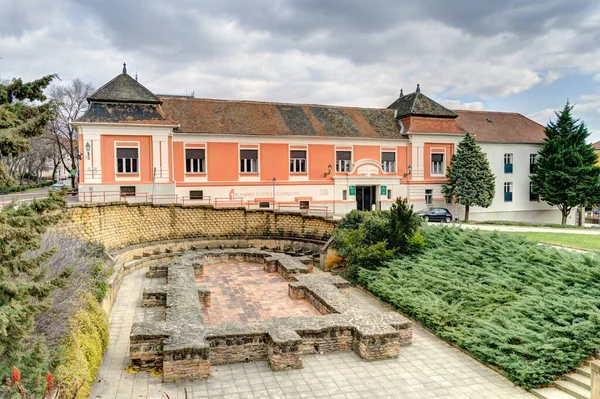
column 87, row 149
column 409, row 171
column 329, row 167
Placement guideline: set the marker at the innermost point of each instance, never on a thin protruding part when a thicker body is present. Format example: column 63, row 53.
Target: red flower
column 16, row 375
column 49, row 382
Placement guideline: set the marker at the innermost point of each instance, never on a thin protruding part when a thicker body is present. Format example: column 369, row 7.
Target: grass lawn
column 581, row 241
column 531, row 310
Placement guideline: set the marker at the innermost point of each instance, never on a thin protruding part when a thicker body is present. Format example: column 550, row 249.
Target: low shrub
column 83, row 348
column 530, row 310
column 25, row 187
column 366, row 240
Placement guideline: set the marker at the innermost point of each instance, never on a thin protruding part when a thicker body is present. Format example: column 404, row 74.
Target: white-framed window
column 127, row 160
column 532, row 195
column 343, row 161
column 428, row 196
column 508, row 192
column 508, row 163
column 195, row 160
column 298, row 161
column 437, row 164
column 345, row 195
column 532, row 159
column 249, row 161
column 388, row 162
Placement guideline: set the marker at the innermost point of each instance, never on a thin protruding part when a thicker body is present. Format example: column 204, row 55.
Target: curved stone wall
column 117, row 225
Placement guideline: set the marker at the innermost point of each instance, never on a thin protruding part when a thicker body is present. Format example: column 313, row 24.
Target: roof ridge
column 270, row 103
column 486, row 111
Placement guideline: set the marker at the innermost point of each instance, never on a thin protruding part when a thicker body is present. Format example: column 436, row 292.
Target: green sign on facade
column 383, row 190
column 352, row 190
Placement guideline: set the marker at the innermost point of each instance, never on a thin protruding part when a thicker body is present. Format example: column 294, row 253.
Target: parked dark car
column 436, row 215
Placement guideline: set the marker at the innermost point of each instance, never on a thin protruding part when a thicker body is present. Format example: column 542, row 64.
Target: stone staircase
column 573, row 385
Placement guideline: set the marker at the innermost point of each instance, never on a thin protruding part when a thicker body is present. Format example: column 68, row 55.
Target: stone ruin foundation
column 185, row 347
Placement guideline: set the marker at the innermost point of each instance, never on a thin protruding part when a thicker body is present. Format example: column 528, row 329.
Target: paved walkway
column 429, row 368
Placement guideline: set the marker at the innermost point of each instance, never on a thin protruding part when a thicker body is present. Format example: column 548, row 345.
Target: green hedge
column 530, row 310
column 83, row 350
column 17, row 189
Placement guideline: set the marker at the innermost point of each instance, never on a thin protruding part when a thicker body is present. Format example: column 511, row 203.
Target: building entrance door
column 365, row 197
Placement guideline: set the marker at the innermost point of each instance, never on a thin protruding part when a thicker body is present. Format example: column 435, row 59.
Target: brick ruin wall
column 118, row 225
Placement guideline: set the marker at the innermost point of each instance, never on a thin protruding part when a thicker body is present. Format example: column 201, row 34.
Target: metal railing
column 73, row 197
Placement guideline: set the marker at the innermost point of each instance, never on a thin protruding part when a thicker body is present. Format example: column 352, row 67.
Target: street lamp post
column 274, row 180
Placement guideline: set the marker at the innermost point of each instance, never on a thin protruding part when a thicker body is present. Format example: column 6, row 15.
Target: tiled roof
column 196, row 115
column 123, row 88
column 500, row 127
column 422, row 124
column 596, row 146
column 105, row 112
column 418, row 104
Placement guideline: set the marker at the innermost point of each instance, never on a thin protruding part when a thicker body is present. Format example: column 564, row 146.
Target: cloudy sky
column 524, row 56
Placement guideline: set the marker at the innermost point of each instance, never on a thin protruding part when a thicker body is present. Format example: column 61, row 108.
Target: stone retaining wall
column 117, row 225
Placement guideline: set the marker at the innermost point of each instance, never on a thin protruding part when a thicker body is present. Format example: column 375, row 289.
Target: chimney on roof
column 124, row 68
column 418, row 88
column 401, row 93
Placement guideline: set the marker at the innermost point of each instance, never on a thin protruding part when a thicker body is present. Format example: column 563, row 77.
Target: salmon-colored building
column 296, row 155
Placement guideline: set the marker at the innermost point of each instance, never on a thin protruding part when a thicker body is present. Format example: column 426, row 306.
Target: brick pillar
column 284, row 350
column 595, row 366
column 376, row 346
column 186, row 363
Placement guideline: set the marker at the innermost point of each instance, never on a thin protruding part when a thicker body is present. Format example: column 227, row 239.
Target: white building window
column 249, row 161
column 127, row 160
column 195, row 160
column 508, row 163
column 429, row 197
column 532, row 159
column 508, row 192
column 298, row 161
column 388, row 162
column 437, row 164
column 342, row 161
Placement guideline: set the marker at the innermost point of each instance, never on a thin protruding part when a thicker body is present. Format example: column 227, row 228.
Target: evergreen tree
column 470, row 179
column 23, row 115
column 22, row 287
column 566, row 173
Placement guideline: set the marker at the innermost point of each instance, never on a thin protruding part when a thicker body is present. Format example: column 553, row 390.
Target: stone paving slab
column 429, row 368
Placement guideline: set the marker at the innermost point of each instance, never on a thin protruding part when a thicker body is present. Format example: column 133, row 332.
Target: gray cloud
column 350, row 52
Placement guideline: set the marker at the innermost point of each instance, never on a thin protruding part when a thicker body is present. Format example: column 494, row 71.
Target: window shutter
column 195, row 154
column 249, row 154
column 297, row 154
column 127, row 152
column 343, row 155
column 388, row 156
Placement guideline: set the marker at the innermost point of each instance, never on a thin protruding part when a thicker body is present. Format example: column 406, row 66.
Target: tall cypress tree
column 566, row 173
column 470, row 179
